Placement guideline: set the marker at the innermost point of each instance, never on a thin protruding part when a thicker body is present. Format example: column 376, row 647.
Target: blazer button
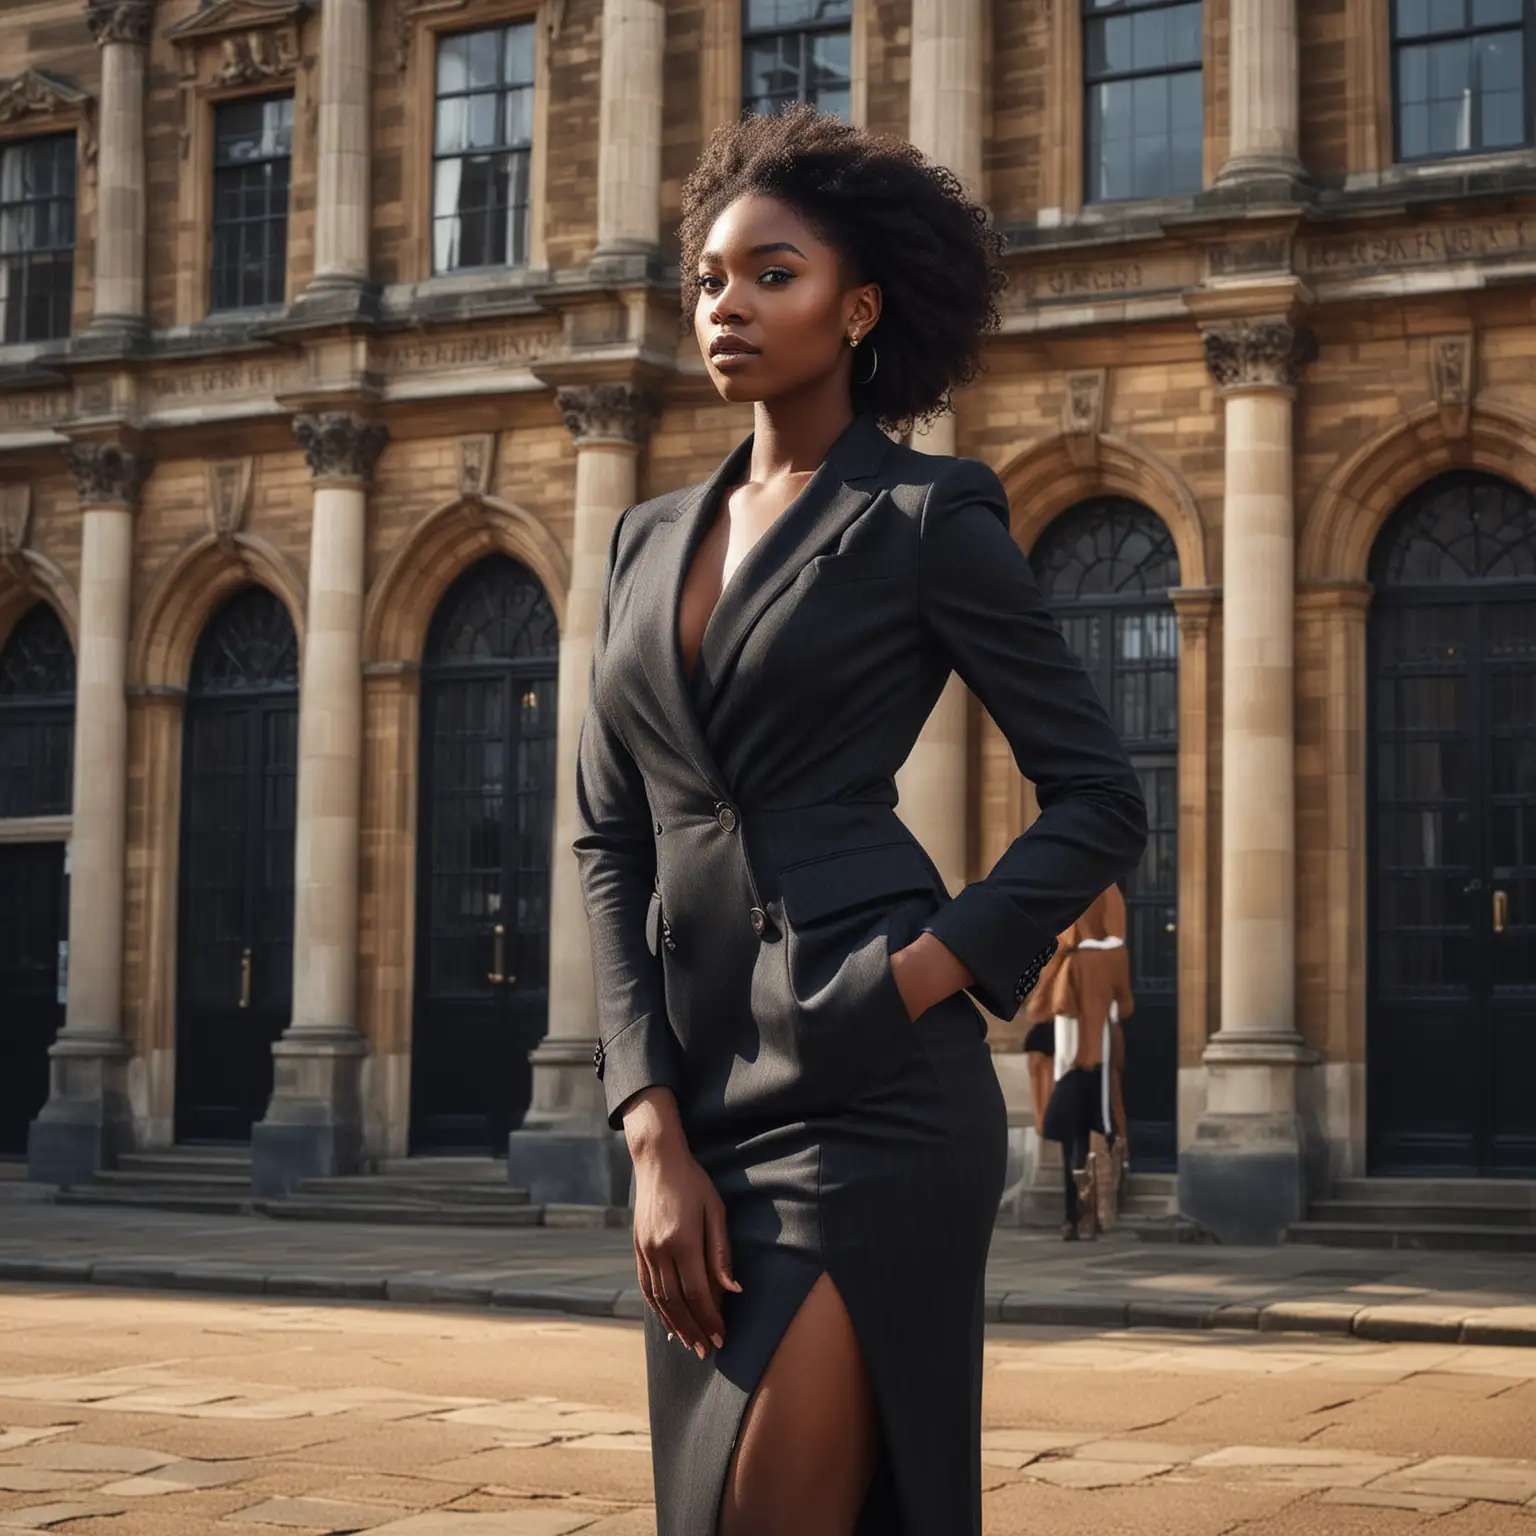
column 759, row 921
column 597, row 1061
column 726, row 817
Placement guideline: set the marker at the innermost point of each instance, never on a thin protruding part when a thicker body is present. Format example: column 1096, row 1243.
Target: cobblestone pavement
column 145, row 1414
column 1032, row 1278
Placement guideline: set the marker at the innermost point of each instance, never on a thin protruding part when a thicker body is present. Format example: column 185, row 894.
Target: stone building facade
column 339, row 332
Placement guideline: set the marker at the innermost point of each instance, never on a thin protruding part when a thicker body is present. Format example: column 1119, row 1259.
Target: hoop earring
column 874, row 366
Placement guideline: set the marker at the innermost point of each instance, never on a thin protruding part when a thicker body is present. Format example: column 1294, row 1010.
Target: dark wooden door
column 235, row 944
column 487, row 815
column 1106, row 567
column 1451, row 1029
column 37, row 715
column 32, row 905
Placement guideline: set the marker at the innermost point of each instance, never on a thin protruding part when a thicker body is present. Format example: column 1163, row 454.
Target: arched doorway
column 1106, row 567
column 37, row 732
column 1451, row 1023
column 235, row 938
column 487, row 817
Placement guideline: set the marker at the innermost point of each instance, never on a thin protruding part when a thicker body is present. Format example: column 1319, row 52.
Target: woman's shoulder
column 946, row 482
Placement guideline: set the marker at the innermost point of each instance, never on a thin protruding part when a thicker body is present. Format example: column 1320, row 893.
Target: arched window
column 248, row 647
column 37, row 716
column 1457, row 528
column 1452, row 831
column 240, row 739
column 1106, row 567
column 497, row 611
column 488, row 716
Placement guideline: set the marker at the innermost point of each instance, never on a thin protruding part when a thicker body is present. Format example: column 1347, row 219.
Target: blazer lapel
column 673, row 544
column 815, row 519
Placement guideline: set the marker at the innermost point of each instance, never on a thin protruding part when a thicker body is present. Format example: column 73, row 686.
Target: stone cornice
column 341, row 446
column 612, row 413
column 40, row 93
column 120, row 21
column 107, row 473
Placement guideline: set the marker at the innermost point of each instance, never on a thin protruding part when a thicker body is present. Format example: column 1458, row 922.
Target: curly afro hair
column 893, row 218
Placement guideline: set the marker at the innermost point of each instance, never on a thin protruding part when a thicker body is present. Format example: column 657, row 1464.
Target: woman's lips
column 729, row 360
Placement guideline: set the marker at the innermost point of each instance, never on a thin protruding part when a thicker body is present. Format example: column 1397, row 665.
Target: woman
column 1087, row 994
column 817, row 1132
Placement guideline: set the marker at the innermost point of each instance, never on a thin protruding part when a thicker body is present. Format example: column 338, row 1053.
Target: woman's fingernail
column 699, row 1350
column 669, row 1338
column 717, row 1341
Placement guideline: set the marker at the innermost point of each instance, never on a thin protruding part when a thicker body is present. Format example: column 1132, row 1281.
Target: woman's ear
column 866, row 309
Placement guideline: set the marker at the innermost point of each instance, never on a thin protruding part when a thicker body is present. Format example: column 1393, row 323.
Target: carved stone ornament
column 256, row 39
column 1452, row 364
column 340, row 445
column 477, row 463
column 120, row 21
column 612, row 412
column 229, row 498
column 39, row 93
column 15, row 527
column 1262, row 353
column 1082, row 416
column 108, row 473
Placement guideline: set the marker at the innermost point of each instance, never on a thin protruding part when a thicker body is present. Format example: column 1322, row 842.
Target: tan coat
column 1081, row 983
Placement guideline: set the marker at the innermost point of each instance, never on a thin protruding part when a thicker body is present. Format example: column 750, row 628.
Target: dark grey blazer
column 745, row 874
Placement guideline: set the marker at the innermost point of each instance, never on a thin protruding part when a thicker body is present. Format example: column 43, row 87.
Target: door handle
column 245, row 978
column 1500, row 910
column 496, row 975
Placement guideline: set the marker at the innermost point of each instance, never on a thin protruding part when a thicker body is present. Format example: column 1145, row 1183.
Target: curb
column 1507, row 1327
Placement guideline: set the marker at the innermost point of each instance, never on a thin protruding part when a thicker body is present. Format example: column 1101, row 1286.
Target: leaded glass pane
column 794, row 51
column 497, row 611
column 37, row 238
column 253, row 160
column 37, row 716
column 1460, row 527
column 1461, row 70
column 248, row 646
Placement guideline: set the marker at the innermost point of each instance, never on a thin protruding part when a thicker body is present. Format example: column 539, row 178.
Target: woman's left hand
column 926, row 972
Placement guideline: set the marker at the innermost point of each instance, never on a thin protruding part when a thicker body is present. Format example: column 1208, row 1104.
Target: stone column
column 87, row 1121
column 1245, row 1176
column 948, row 93
column 1264, row 142
column 122, row 28
column 565, row 1151
column 947, row 99
column 342, row 193
column 629, row 127
column 314, row 1124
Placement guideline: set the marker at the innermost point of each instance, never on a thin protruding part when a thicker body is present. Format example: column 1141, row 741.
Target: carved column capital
column 611, row 413
column 108, row 474
column 1263, row 354
column 120, row 21
column 340, row 445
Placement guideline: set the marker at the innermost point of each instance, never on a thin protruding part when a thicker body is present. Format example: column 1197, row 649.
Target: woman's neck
column 793, row 437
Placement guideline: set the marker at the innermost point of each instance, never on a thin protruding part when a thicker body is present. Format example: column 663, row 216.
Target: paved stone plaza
column 146, row 1414
column 1032, row 1277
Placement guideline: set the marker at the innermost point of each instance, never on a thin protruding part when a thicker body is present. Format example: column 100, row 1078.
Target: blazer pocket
column 835, row 883
column 833, row 570
column 653, row 923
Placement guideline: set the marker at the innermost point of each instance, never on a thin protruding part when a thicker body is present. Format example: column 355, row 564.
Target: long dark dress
column 747, row 879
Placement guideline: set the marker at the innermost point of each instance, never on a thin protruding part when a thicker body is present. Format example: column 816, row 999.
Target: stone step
column 199, row 1202
column 190, row 1181
column 1163, row 1228
column 1405, row 1213
column 1514, row 1192
column 1465, row 1239
column 401, row 1213
column 398, row 1189
column 175, row 1161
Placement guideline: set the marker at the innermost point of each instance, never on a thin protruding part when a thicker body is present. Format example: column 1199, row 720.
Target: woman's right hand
column 682, row 1251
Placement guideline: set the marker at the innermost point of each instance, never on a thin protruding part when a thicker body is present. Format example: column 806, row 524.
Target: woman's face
column 774, row 312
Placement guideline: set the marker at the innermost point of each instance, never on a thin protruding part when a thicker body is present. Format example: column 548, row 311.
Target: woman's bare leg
column 810, row 1437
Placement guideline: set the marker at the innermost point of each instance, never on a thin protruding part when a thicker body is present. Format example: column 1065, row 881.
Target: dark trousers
column 1076, row 1110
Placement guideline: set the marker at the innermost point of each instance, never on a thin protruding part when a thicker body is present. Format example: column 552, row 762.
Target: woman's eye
column 708, row 282
column 776, row 275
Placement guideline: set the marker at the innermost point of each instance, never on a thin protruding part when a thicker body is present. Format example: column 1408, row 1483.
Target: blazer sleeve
column 984, row 608
column 616, row 856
